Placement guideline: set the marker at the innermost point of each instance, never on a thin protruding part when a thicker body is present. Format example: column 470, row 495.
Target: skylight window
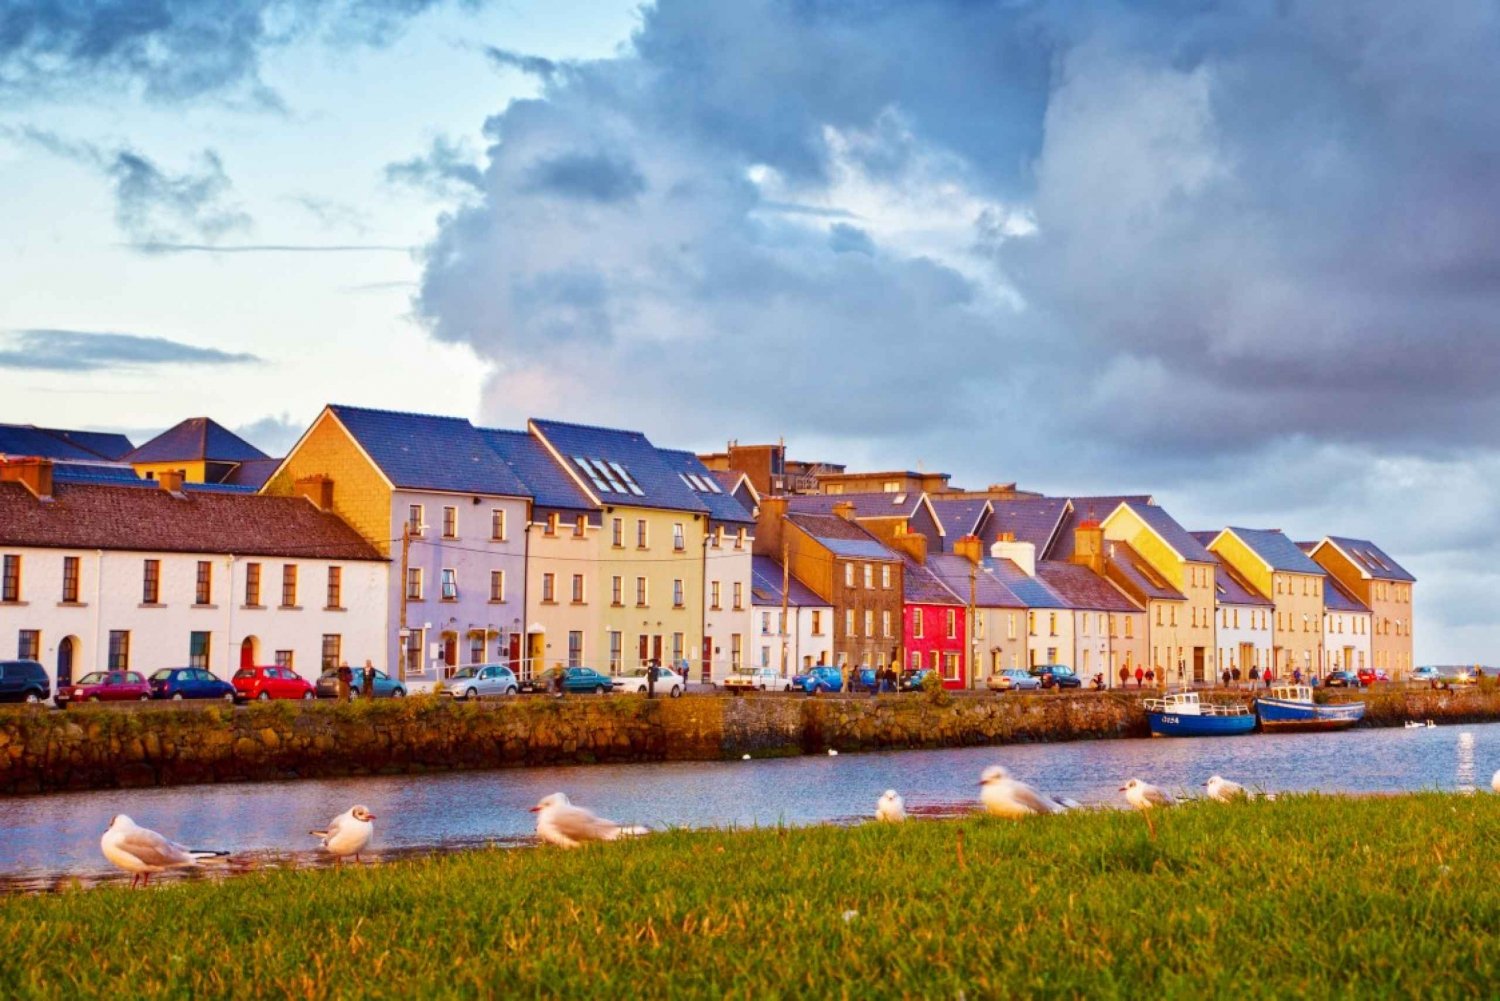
column 627, row 479
column 713, row 485
column 588, row 470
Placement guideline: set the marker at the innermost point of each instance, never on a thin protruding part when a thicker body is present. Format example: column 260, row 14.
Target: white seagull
column 1004, row 796
column 891, row 809
column 1495, row 782
column 348, row 833
column 1144, row 795
column 568, row 826
column 141, row 851
column 1222, row 790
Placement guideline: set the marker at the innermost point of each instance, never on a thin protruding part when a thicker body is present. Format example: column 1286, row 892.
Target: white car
column 668, row 682
column 481, row 679
column 758, row 679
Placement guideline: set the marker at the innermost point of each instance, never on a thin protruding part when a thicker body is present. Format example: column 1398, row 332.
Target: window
column 679, row 539
column 497, row 525
column 885, row 623
column 1010, row 626
column 1129, row 627
column 198, row 650
column 415, row 519
column 642, row 540
column 450, row 522
column 736, row 643
column 1051, row 624
column 870, row 622
column 10, row 587
column 497, row 585
column 848, row 574
column 119, row 650
column 450, row 584
column 289, row 585
column 575, row 648
column 284, row 659
column 885, row 575
column 713, row 595
column 580, row 524
column 739, row 538
column 848, row 622
column 950, row 667
column 1173, row 613
column 333, row 645
column 30, row 645
column 413, row 583
column 151, row 582
column 70, row 581
column 677, row 593
column 549, row 587
column 677, row 645
column 869, row 575
column 640, row 592
column 476, row 648
column 615, row 644
column 550, row 526
column 252, row 582
column 205, row 591
column 952, row 624
column 817, row 622
column 765, row 623
column 616, row 591
column 578, row 589
column 617, row 530
column 335, row 587
column 739, row 595
column 1083, row 624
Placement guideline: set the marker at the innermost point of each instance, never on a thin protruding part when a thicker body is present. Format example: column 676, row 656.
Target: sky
column 1237, row 256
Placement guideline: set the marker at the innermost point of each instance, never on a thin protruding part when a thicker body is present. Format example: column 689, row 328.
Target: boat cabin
column 1292, row 693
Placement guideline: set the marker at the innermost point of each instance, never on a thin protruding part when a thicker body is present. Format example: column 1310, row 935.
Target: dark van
column 23, row 681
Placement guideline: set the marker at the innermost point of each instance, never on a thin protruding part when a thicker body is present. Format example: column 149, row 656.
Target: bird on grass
column 891, row 809
column 348, row 833
column 140, row 851
column 1003, row 796
column 1145, row 797
column 1221, row 790
column 1495, row 782
column 561, row 823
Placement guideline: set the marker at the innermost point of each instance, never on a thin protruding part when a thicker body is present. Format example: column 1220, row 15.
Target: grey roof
column 1032, row 591
column 252, row 473
column 1371, row 559
column 989, row 590
column 723, row 506
column 919, row 585
column 866, row 505
column 1164, row 525
column 621, row 467
column 841, row 537
column 538, row 472
column 765, row 585
column 1029, row 519
column 106, row 444
column 960, row 516
column 1337, row 599
column 1272, row 545
column 1081, row 588
column 1134, row 572
column 429, row 452
column 49, row 443
column 196, row 439
column 1234, row 589
column 1081, row 509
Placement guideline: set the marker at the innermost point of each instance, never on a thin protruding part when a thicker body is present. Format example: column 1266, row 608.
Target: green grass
column 1305, row 896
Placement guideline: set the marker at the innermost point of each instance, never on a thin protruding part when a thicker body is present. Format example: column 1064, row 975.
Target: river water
column 45, row 839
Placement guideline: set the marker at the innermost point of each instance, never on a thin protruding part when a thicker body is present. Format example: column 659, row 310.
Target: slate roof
column 1371, row 559
column 1081, row 509
column 1032, row 591
column 83, row 472
column 989, row 590
column 1081, row 588
column 58, row 444
column 919, row 585
column 96, row 516
column 1030, row 519
column 252, row 473
column 723, row 506
column 105, row 444
column 538, row 472
column 1234, row 589
column 866, row 505
column 427, row 452
column 841, row 537
column 1337, row 599
column 959, row 516
column 765, row 585
column 195, row 439
column 1187, row 545
column 1130, row 570
column 1275, row 548
column 658, row 484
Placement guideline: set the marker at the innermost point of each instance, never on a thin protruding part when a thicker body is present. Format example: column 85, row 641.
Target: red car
column 1369, row 676
column 271, row 683
column 106, row 686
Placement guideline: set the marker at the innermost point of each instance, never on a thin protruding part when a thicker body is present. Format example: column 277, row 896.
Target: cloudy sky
column 1240, row 256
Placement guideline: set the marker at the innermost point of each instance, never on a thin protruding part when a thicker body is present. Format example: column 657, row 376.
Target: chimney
column 170, row 480
column 1022, row 554
column 32, row 472
column 769, row 522
column 970, row 548
column 913, row 544
column 845, row 510
column 1088, row 546
column 318, row 489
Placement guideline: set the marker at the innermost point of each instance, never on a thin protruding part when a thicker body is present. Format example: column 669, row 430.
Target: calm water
column 43, row 838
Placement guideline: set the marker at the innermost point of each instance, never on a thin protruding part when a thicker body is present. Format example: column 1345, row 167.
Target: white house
column 1244, row 627
column 149, row 575
column 809, row 625
column 1346, row 629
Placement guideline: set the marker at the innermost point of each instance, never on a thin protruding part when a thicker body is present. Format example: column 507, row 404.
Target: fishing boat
column 1291, row 707
column 1182, row 714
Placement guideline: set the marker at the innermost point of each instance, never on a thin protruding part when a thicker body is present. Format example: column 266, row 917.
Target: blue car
column 819, row 679
column 386, row 687
column 179, row 683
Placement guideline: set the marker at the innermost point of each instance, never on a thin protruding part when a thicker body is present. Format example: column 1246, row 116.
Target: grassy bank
column 1307, row 896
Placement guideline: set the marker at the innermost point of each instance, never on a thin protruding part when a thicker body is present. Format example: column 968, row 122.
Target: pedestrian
column 651, row 672
column 1266, row 678
column 1125, row 676
column 1150, row 677
column 1235, row 673
column 558, row 688
column 1139, row 677
column 1254, row 675
column 1226, row 677
column 1297, row 676
column 369, row 679
column 346, row 681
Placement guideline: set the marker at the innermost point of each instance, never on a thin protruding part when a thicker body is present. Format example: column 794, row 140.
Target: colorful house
column 934, row 625
column 791, row 628
column 999, row 614
column 203, row 451
column 1107, row 628
column 884, row 515
column 1384, row 587
column 1347, row 635
column 1275, row 567
column 1244, row 634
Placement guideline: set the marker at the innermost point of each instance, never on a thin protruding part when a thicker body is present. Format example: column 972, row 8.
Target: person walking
column 1125, row 676
column 346, row 681
column 651, row 673
column 1150, row 678
column 1254, row 675
column 1140, row 676
column 1235, row 673
column 369, row 680
column 1225, row 676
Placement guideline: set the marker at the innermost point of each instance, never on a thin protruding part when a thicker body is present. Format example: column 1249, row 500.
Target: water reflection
column 1466, row 761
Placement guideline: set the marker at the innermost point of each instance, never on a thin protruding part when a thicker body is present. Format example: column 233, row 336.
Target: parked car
column 23, row 681
column 178, row 683
column 1012, row 679
column 1340, row 679
column 479, row 680
column 386, row 687
column 819, row 679
column 1371, row 676
column 1056, row 676
column 106, row 686
column 575, row 679
column 912, row 681
column 668, row 681
column 262, row 683
column 760, row 679
column 1427, row 673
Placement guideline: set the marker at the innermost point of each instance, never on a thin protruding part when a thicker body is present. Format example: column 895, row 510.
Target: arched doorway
column 66, row 651
column 249, row 651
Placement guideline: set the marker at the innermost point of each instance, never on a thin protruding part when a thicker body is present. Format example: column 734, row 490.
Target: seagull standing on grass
column 1004, row 796
column 568, row 826
column 1495, row 782
column 1144, row 796
column 891, row 809
column 141, row 851
column 1222, row 790
column 348, row 834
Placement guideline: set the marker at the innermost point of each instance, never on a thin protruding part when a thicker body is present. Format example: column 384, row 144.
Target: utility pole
column 973, row 617
column 401, row 632
column 786, row 586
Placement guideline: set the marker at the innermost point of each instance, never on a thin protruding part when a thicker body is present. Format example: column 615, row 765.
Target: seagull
column 569, row 826
column 1004, row 796
column 141, row 851
column 348, row 833
column 1495, row 782
column 832, row 753
column 1223, row 790
column 892, row 808
column 1144, row 795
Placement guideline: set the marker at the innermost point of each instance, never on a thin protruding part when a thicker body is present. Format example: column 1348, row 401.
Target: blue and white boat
column 1291, row 707
column 1182, row 714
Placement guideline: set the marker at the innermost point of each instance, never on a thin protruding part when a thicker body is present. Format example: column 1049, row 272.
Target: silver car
column 478, row 680
column 1013, row 679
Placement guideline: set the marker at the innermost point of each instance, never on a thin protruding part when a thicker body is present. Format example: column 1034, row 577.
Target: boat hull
column 1280, row 715
column 1166, row 724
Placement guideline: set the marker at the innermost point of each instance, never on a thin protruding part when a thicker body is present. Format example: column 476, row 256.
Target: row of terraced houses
column 422, row 543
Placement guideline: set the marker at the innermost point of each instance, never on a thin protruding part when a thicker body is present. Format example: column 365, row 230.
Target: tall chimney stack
column 32, row 472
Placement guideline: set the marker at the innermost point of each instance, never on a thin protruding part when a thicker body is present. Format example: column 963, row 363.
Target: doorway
column 247, row 652
column 1198, row 665
column 536, row 649
column 65, row 651
column 708, row 659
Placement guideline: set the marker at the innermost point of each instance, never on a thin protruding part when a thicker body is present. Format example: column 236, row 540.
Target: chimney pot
column 32, row 472
column 170, row 480
column 845, row 510
column 969, row 547
column 318, row 489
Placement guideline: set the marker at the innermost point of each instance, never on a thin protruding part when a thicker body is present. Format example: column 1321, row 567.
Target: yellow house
column 203, row 451
column 1384, row 586
column 1282, row 572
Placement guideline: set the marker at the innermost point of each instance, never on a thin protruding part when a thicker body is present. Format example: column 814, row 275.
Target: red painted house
column 934, row 630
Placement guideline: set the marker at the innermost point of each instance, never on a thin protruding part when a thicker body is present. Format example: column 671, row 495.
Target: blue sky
column 1238, row 256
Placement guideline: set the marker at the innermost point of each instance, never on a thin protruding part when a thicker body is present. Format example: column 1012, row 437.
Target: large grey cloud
column 90, row 351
